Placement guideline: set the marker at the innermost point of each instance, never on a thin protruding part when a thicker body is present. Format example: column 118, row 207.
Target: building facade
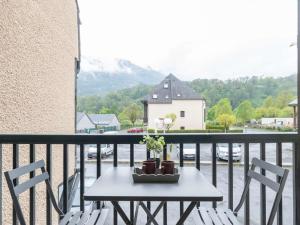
column 39, row 54
column 83, row 123
column 176, row 97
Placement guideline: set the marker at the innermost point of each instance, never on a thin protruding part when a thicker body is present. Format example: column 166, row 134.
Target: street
column 222, row 178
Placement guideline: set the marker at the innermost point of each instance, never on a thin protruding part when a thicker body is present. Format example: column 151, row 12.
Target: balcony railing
column 198, row 139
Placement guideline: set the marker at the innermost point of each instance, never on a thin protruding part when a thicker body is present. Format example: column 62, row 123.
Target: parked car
column 106, row 150
column 223, row 152
column 135, row 130
column 189, row 151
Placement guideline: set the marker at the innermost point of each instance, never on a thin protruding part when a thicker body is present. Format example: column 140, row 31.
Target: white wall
column 194, row 113
column 84, row 123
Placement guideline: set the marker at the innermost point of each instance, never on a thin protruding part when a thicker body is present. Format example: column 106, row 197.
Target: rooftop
column 171, row 88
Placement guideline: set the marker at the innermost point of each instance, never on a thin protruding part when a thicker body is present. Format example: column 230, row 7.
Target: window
column 182, row 128
column 154, row 96
column 182, row 113
column 166, row 85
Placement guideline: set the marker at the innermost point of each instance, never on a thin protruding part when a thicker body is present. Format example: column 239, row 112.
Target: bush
column 235, row 131
column 215, row 127
column 151, row 131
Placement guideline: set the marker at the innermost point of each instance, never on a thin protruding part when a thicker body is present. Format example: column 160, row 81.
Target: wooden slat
column 75, row 218
column 25, row 169
column 268, row 166
column 196, row 217
column 93, row 217
column 30, row 183
column 102, row 217
column 223, row 217
column 232, row 217
column 205, row 217
column 264, row 180
column 66, row 218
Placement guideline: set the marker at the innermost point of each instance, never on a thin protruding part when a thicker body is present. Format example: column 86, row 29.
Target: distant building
column 107, row 122
column 294, row 104
column 277, row 122
column 174, row 96
column 83, row 122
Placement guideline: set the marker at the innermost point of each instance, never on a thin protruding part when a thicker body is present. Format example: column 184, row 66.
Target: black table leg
column 186, row 213
column 121, row 212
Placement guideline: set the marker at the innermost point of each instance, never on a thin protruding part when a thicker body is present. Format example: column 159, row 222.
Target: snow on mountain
column 100, row 76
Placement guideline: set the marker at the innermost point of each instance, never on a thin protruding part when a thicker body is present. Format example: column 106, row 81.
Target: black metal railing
column 181, row 139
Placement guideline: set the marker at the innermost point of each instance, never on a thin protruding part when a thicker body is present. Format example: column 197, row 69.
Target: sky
column 194, row 38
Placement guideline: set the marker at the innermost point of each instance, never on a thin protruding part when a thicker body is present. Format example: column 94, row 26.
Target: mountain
column 99, row 77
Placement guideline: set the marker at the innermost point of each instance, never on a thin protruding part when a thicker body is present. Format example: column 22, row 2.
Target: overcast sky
column 194, row 38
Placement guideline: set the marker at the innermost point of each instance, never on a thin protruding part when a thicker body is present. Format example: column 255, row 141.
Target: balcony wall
column 39, row 43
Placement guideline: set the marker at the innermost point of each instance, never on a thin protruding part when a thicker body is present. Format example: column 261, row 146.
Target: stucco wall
column 38, row 47
column 194, row 113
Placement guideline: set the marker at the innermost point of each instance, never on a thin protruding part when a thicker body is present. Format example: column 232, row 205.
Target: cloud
column 194, row 38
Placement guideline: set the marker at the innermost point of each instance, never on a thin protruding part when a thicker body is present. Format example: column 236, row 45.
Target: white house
column 83, row 122
column 174, row 96
column 105, row 121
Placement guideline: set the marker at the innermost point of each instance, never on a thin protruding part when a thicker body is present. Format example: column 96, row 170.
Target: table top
column 116, row 184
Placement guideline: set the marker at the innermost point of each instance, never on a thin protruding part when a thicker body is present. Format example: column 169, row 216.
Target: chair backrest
column 16, row 189
column 274, row 185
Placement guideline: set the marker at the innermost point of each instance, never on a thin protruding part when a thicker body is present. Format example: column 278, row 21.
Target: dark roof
column 294, row 103
column 102, row 119
column 171, row 88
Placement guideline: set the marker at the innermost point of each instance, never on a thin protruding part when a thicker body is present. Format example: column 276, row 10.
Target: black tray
column 140, row 177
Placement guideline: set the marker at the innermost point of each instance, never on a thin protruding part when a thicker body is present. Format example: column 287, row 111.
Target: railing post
column 247, row 201
column 296, row 158
column 16, row 181
column 214, row 169
column 230, row 177
column 49, row 169
column 32, row 190
column 1, row 184
column 263, row 210
column 65, row 178
column 98, row 165
column 81, row 177
column 279, row 163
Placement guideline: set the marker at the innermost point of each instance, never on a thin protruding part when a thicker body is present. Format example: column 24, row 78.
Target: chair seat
column 95, row 217
column 211, row 216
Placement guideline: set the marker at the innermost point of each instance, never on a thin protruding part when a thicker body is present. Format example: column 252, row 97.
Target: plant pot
column 157, row 162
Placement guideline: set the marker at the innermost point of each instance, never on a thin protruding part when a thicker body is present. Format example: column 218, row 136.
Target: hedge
column 151, row 131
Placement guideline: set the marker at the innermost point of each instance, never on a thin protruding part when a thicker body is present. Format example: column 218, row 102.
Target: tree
column 226, row 120
column 133, row 112
column 283, row 98
column 268, row 102
column 173, row 117
column 273, row 112
column 286, row 112
column 260, row 112
column 244, row 112
column 105, row 110
column 211, row 114
column 223, row 107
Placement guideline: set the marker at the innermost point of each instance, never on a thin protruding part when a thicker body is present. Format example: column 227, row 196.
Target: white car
column 223, row 152
column 106, row 150
column 189, row 151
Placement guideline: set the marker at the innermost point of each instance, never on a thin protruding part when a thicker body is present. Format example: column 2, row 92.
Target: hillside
column 256, row 89
column 99, row 77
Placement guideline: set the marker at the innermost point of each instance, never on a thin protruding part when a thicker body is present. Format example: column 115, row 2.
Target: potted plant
column 154, row 145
